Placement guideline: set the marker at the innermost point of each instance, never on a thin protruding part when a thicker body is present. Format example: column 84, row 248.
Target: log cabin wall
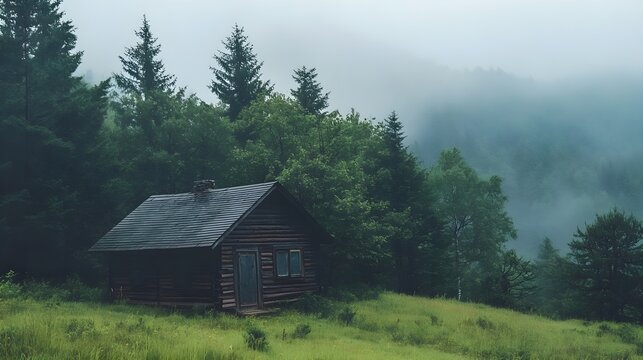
column 181, row 277
column 272, row 226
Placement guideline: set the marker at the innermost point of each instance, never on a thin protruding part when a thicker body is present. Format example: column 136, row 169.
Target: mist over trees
column 565, row 150
column 77, row 158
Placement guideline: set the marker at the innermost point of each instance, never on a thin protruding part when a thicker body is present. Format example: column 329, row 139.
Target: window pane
column 295, row 262
column 282, row 263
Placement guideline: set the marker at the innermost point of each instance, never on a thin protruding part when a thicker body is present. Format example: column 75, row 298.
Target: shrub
column 434, row 319
column 354, row 293
column 315, row 305
column 628, row 334
column 78, row 291
column 347, row 315
column 16, row 342
column 77, row 328
column 301, row 331
column 153, row 355
column 603, row 329
column 73, row 289
column 40, row 290
column 485, row 323
column 9, row 289
column 140, row 325
column 256, row 339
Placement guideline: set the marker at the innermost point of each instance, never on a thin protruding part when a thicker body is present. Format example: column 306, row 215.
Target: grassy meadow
column 390, row 327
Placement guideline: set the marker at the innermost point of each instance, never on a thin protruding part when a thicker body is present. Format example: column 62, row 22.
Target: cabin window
column 282, row 263
column 295, row 262
column 288, row 263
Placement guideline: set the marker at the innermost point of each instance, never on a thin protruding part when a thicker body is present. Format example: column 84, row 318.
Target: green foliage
column 315, row 305
column 237, row 74
column 353, row 292
column 143, row 73
column 511, row 283
column 554, row 293
column 73, row 289
column 256, row 339
column 477, row 224
column 346, row 315
column 49, row 124
column 16, row 342
column 607, row 259
column 301, row 331
column 78, row 328
column 9, row 289
column 309, row 93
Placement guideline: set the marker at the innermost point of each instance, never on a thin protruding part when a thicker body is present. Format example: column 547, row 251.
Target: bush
column 485, row 323
column 78, row 291
column 71, row 290
column 434, row 319
column 77, row 328
column 347, row 315
column 315, row 305
column 354, row 293
column 40, row 290
column 627, row 333
column 139, row 326
column 16, row 343
column 301, row 331
column 256, row 339
column 9, row 289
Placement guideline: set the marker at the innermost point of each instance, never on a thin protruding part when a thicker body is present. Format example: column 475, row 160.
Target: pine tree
column 143, row 73
column 49, row 120
column 237, row 76
column 553, row 294
column 608, row 259
column 309, row 93
column 398, row 182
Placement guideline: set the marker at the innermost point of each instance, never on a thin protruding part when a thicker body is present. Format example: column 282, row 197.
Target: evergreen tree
column 237, row 75
column 143, row 73
column 399, row 182
column 608, row 259
column 309, row 93
column 49, row 121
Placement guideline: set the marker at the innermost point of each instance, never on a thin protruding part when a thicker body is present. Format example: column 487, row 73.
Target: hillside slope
column 391, row 327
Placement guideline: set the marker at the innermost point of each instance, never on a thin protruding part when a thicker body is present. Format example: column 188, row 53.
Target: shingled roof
column 188, row 220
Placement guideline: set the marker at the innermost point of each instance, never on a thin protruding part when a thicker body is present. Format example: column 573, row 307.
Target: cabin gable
column 287, row 250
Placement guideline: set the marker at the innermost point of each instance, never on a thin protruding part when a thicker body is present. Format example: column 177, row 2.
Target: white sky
column 545, row 40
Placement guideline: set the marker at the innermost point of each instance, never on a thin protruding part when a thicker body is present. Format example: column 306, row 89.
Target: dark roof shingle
column 185, row 220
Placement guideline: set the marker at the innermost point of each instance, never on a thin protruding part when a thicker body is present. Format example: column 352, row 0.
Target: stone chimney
column 201, row 186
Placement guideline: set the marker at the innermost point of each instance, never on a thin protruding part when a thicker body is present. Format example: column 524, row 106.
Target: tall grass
column 390, row 327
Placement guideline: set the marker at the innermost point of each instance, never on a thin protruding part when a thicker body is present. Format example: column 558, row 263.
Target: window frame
column 288, row 250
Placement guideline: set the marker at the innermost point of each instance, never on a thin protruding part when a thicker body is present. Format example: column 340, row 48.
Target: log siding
column 271, row 226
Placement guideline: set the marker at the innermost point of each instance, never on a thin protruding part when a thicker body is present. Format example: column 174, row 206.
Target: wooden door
column 248, row 279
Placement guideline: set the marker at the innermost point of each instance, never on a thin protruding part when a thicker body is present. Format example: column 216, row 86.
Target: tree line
column 76, row 158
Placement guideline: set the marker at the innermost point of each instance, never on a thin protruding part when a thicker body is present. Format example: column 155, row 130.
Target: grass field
column 390, row 327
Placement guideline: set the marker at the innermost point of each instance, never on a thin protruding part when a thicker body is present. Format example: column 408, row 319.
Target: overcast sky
column 348, row 40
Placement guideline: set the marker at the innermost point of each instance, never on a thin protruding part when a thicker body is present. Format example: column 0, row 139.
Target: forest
column 77, row 157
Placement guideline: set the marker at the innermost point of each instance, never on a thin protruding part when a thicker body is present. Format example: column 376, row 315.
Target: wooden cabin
column 240, row 248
